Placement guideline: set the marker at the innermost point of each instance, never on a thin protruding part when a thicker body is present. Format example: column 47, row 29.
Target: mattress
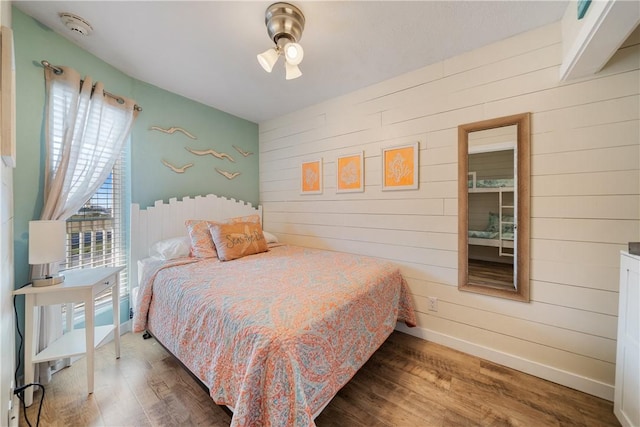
column 484, row 234
column 492, row 183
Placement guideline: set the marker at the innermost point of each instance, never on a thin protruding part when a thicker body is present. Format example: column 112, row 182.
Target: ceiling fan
column 285, row 23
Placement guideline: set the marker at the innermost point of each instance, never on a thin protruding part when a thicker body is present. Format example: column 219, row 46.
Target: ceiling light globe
column 268, row 59
column 293, row 53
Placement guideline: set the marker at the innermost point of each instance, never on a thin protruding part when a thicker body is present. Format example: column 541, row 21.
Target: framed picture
column 7, row 97
column 350, row 173
column 400, row 167
column 311, row 177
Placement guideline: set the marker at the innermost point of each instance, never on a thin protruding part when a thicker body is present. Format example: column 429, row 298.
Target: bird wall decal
column 173, row 130
column 228, row 175
column 241, row 151
column 177, row 169
column 214, row 153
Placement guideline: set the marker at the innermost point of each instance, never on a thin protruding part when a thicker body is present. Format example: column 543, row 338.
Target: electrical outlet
column 14, row 414
column 11, row 388
column 433, row 303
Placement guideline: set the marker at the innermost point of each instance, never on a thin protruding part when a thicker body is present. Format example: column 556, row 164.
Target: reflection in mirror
column 493, row 207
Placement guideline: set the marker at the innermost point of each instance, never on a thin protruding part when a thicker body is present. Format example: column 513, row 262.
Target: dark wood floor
column 494, row 274
column 407, row 382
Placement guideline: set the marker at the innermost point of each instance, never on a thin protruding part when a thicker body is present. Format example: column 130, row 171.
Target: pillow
column 255, row 218
column 237, row 239
column 494, row 219
column 270, row 238
column 201, row 243
column 176, row 247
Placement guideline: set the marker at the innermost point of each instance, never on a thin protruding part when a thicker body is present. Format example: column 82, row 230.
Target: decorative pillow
column 176, row 247
column 237, row 239
column 255, row 218
column 201, row 243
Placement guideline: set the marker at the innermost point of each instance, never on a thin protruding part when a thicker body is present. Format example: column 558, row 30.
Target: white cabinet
column 626, row 405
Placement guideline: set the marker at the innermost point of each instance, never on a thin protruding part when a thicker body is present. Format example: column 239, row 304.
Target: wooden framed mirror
column 493, row 207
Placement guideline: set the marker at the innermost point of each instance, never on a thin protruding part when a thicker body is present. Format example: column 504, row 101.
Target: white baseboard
column 125, row 327
column 559, row 376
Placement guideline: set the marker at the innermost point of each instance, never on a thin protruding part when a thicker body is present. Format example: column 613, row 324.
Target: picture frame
column 400, row 165
column 350, row 173
column 7, row 97
column 311, row 177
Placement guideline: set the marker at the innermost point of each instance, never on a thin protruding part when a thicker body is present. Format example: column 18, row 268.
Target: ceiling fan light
column 293, row 53
column 285, row 23
column 268, row 59
column 292, row 71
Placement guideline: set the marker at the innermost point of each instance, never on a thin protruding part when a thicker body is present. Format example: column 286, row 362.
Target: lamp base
column 47, row 281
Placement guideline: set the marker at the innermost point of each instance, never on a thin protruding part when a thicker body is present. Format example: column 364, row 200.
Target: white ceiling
column 206, row 50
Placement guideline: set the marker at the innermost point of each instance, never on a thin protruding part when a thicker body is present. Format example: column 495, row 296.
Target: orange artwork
column 400, row 167
column 350, row 173
column 311, row 177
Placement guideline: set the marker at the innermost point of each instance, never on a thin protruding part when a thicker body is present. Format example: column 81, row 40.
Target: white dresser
column 626, row 404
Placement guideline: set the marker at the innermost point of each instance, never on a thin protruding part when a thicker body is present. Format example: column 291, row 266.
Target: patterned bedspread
column 277, row 334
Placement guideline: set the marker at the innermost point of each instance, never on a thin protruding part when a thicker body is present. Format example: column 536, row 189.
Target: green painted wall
column 150, row 180
column 33, row 43
column 213, row 130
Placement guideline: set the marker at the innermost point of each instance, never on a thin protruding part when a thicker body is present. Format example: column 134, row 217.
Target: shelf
column 72, row 344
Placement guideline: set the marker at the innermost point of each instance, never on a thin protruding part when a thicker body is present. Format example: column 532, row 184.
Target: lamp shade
column 47, row 241
column 292, row 71
column 268, row 59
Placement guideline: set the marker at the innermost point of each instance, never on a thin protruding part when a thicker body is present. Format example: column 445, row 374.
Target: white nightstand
column 79, row 286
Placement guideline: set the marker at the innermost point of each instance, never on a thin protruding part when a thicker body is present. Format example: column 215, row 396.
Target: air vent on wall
column 76, row 23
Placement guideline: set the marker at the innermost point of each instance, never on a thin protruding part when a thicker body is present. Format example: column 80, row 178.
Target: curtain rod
column 59, row 70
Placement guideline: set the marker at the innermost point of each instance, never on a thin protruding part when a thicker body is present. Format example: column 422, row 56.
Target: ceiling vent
column 76, row 24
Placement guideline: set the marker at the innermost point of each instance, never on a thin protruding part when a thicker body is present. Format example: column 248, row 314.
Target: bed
column 499, row 232
column 272, row 335
column 478, row 184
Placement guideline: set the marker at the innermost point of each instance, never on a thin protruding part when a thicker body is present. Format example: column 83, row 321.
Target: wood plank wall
column 585, row 188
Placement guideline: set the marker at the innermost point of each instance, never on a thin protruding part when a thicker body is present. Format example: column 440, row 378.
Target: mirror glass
column 494, row 207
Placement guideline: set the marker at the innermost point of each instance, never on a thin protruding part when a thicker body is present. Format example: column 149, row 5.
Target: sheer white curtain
column 85, row 132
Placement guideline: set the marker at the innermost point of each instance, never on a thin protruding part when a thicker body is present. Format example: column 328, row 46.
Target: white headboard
column 165, row 220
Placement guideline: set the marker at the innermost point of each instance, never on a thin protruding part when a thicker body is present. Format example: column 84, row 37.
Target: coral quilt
column 274, row 335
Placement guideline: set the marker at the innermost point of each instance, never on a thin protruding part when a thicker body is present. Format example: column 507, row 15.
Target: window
column 86, row 131
column 96, row 235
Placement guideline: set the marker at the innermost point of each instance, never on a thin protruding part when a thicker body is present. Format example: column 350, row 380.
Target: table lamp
column 47, row 246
